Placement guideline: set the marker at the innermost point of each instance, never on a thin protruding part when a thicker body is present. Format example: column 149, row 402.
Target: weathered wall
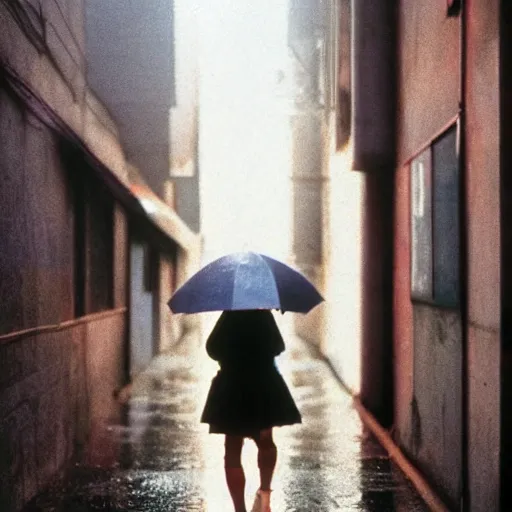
column 58, row 375
column 436, row 414
column 36, row 224
column 51, row 60
column 429, row 73
column 483, row 239
column 506, row 256
column 53, row 384
column 428, row 340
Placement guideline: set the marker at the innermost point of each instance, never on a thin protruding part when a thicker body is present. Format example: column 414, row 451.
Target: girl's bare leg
column 267, row 457
column 235, row 476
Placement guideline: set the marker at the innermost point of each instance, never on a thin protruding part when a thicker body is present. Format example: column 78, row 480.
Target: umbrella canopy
column 245, row 280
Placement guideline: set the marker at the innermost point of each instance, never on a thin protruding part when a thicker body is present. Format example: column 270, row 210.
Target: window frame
column 429, row 292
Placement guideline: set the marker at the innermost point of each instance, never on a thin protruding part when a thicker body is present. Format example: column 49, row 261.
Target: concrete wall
column 427, row 339
column 58, row 374
column 36, row 225
column 483, row 239
column 54, row 384
column 429, row 73
column 436, row 412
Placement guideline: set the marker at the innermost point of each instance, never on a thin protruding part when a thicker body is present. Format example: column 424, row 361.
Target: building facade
column 429, row 99
column 142, row 63
column 81, row 243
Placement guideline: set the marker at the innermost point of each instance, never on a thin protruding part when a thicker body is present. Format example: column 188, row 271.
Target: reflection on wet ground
column 160, row 458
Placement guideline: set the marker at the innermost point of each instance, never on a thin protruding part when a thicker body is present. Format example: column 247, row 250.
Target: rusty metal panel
column 429, row 73
column 436, row 409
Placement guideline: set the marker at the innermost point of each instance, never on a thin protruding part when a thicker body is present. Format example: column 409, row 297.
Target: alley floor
column 160, row 458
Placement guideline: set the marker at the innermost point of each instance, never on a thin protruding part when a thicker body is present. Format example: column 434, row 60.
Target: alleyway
column 162, row 459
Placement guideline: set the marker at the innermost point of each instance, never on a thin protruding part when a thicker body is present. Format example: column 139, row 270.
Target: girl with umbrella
column 248, row 397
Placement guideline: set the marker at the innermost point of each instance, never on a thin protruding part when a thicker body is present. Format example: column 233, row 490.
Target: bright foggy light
column 244, row 128
column 343, row 283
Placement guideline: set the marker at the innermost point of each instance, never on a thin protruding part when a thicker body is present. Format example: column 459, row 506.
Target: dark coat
column 248, row 394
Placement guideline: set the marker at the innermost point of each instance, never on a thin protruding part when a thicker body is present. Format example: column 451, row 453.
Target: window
column 435, row 223
column 93, row 239
column 99, row 283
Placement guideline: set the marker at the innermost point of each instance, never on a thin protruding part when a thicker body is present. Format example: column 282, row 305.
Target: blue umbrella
column 245, row 280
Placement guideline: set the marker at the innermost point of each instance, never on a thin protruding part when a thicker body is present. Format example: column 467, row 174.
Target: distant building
column 309, row 31
column 142, row 63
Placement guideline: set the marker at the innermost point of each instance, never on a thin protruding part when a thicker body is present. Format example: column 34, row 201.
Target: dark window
column 93, row 236
column 446, row 219
column 79, row 243
column 99, row 243
column 150, row 276
column 435, row 222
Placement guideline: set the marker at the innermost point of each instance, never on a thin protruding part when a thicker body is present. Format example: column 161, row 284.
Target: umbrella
column 245, row 280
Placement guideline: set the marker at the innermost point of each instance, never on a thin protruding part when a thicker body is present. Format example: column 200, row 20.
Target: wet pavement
column 160, row 458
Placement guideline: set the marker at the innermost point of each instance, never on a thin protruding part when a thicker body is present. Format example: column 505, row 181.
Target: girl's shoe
column 262, row 502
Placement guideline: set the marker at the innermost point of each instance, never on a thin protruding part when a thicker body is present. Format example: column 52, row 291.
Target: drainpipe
column 373, row 136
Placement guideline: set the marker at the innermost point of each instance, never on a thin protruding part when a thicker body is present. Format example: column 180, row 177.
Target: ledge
column 34, row 331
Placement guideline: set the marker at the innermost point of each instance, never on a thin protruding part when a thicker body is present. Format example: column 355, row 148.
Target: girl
column 248, row 397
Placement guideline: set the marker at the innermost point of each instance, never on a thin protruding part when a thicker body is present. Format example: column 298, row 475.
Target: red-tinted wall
column 484, row 253
column 402, row 307
column 58, row 374
column 427, row 338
